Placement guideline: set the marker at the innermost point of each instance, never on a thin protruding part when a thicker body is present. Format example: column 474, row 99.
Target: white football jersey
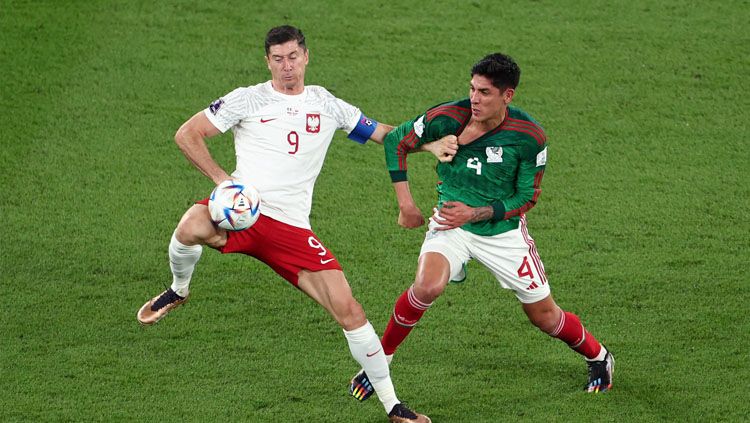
column 281, row 141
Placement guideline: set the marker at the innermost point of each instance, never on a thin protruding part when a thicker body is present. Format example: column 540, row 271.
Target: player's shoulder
column 457, row 111
column 319, row 93
column 257, row 90
column 517, row 120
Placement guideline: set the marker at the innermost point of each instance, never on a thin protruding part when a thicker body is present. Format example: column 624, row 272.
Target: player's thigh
column 433, row 274
column 512, row 258
column 451, row 244
column 330, row 289
column 196, row 227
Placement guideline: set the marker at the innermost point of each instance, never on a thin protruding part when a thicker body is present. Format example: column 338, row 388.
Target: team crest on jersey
column 494, row 154
column 313, row 123
column 215, row 106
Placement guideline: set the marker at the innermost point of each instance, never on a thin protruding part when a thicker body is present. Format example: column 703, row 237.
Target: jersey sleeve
column 345, row 115
column 229, row 110
column 528, row 183
column 410, row 135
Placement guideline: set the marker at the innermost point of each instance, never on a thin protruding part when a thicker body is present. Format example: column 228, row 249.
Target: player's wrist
column 479, row 214
column 407, row 206
column 498, row 211
column 398, row 175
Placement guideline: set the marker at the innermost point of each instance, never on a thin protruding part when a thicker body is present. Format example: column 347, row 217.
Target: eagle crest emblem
column 313, row 123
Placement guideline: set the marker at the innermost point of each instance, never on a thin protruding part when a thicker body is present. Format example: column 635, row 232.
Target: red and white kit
column 281, row 142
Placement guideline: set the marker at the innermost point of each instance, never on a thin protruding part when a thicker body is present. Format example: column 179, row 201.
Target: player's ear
column 307, row 56
column 508, row 95
column 268, row 62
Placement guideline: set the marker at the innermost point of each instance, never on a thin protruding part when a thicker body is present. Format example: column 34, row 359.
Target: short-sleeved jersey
column 502, row 168
column 281, row 141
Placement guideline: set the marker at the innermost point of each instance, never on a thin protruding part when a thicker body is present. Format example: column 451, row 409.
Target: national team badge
column 313, row 123
column 494, row 154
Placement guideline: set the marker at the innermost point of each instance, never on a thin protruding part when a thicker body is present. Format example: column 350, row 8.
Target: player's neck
column 295, row 89
column 490, row 123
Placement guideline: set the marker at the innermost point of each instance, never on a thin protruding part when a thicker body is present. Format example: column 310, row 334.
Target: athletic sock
column 366, row 349
column 406, row 313
column 602, row 354
column 182, row 259
column 571, row 331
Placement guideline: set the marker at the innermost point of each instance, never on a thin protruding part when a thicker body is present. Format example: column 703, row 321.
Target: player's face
column 487, row 101
column 287, row 64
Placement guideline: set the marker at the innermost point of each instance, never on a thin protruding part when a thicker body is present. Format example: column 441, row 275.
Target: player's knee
column 428, row 289
column 350, row 315
column 187, row 232
column 196, row 227
column 546, row 320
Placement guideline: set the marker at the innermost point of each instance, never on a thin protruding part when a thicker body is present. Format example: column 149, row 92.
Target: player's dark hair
column 283, row 34
column 499, row 68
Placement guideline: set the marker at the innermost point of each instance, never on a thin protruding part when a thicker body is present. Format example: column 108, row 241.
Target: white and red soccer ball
column 234, row 205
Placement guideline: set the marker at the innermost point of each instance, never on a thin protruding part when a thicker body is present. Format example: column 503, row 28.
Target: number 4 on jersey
column 474, row 163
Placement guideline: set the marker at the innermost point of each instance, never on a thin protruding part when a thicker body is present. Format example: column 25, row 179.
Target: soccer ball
column 234, row 206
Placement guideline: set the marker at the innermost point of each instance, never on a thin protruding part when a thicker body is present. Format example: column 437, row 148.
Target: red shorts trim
column 285, row 248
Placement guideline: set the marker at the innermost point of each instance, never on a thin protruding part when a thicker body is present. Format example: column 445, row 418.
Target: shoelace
column 165, row 299
column 402, row 411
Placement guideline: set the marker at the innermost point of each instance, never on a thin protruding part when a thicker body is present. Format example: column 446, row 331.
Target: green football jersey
column 502, row 168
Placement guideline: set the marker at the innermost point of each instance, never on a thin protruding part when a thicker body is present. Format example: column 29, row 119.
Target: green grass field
column 643, row 222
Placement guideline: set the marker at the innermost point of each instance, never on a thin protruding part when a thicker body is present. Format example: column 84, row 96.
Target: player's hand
column 444, row 149
column 453, row 214
column 410, row 217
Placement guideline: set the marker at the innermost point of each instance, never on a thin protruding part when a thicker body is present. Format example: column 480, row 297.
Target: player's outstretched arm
column 444, row 148
column 380, row 132
column 191, row 138
column 409, row 215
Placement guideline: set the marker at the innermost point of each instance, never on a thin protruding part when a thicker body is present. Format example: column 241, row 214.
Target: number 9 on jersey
column 234, row 206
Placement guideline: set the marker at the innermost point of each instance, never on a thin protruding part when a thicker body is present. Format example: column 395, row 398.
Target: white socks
column 600, row 357
column 366, row 349
column 182, row 259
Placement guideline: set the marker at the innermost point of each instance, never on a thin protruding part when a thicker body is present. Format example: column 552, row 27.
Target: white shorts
column 511, row 257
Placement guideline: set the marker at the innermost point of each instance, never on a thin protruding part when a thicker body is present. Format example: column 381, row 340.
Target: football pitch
column 643, row 222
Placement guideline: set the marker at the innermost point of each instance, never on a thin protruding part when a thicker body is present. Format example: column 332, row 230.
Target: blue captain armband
column 364, row 129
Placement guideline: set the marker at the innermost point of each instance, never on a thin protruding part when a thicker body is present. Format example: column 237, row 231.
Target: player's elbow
column 179, row 136
column 184, row 135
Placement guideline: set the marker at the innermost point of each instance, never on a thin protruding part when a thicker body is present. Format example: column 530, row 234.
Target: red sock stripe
column 414, row 301
column 559, row 327
column 402, row 322
column 571, row 331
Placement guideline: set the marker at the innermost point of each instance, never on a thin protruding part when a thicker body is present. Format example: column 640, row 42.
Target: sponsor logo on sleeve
column 494, row 154
column 541, row 158
column 215, row 106
column 313, row 123
column 419, row 126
